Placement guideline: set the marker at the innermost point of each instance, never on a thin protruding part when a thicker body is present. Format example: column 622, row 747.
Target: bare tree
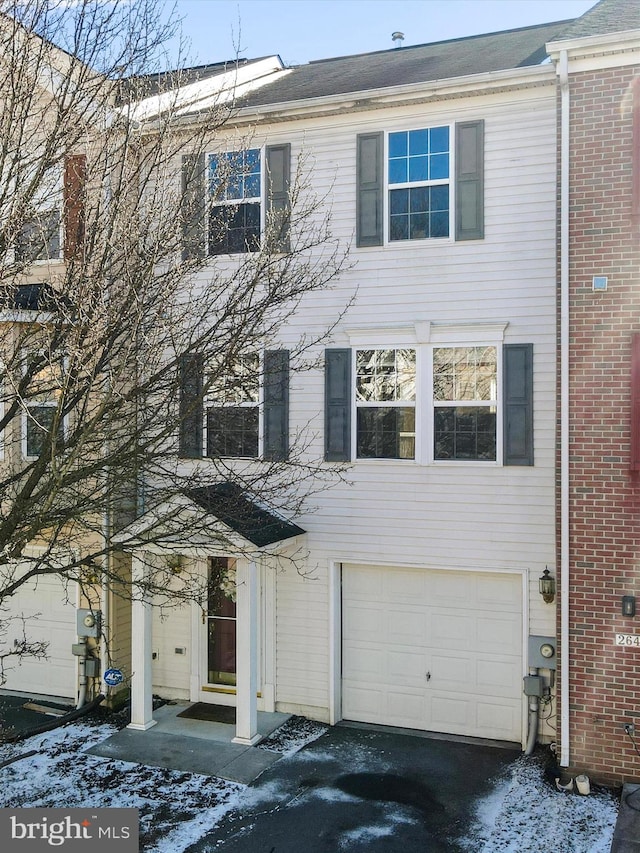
column 116, row 327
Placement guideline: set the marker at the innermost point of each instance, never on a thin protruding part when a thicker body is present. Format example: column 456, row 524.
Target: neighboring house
column 598, row 62
column 407, row 593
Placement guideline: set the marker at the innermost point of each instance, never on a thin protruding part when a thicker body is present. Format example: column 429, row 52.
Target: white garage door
column 434, row 650
column 55, row 624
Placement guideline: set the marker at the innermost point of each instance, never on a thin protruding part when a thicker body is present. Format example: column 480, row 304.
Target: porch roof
column 231, row 505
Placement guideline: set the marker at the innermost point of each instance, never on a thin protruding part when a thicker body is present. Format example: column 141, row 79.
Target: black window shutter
column 470, row 180
column 278, row 202
column 276, row 405
column 193, row 207
column 369, row 171
column 337, row 405
column 191, row 405
column 518, row 404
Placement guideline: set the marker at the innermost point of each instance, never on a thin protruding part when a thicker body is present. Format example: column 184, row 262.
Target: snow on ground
column 523, row 814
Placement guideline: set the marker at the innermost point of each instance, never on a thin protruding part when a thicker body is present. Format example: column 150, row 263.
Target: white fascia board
column 213, row 90
column 407, row 93
column 627, row 40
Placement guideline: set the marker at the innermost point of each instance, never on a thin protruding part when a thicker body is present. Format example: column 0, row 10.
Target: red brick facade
column 604, row 495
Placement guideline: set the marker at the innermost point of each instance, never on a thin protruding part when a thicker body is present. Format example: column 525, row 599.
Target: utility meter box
column 542, row 652
column 88, row 623
column 92, row 667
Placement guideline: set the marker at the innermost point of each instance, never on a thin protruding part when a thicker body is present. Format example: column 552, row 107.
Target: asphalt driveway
column 364, row 789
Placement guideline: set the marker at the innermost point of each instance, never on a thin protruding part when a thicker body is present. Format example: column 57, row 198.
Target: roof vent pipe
column 398, row 38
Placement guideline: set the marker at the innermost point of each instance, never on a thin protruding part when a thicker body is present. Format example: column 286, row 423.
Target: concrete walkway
column 193, row 746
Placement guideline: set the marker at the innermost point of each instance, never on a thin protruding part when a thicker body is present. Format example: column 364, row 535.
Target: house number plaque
column 628, row 640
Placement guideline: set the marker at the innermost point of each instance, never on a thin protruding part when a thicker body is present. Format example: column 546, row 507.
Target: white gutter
column 563, row 71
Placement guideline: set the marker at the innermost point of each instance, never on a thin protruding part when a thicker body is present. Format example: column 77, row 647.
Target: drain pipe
column 534, row 710
column 563, row 71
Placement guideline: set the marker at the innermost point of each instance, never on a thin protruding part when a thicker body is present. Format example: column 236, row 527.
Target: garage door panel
column 56, row 674
column 498, row 634
column 473, row 653
column 406, row 628
column 498, row 717
column 406, row 669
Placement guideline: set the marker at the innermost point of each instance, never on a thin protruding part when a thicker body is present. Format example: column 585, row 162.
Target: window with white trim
column 233, row 411
column 418, row 174
column 235, row 192
column 40, row 236
column 465, row 402
column 41, row 407
column 385, row 401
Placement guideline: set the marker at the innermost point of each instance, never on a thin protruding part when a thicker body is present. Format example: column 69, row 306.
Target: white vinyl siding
column 446, row 516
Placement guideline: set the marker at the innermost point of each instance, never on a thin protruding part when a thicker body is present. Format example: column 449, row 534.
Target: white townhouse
column 407, row 594
column 417, row 594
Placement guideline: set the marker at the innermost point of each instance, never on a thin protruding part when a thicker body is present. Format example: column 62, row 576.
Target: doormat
column 210, row 713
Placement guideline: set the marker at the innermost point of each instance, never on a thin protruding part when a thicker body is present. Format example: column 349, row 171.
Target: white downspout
column 564, row 405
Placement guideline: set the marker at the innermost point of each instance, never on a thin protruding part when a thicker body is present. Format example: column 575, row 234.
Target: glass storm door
column 221, row 622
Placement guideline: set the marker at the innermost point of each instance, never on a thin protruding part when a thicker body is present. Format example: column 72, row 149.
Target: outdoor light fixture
column 628, row 605
column 547, row 587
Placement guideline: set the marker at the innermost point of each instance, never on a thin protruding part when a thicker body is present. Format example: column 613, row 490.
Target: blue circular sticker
column 112, row 677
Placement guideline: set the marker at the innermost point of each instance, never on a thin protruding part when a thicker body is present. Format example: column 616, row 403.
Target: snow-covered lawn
column 522, row 814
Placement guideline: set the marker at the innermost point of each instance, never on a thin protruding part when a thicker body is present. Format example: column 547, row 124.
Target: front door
column 221, row 624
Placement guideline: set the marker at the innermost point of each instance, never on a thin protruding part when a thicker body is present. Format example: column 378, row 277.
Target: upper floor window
column 433, row 178
column 233, row 413
column 465, row 402
column 418, row 178
column 235, row 202
column 235, row 192
column 435, row 402
column 39, row 237
column 385, row 403
column 243, row 414
column 41, row 415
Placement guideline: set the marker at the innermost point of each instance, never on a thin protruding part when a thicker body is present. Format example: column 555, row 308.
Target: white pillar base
column 247, row 741
column 142, row 727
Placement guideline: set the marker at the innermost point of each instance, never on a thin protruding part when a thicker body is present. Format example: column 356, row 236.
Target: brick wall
column 604, row 495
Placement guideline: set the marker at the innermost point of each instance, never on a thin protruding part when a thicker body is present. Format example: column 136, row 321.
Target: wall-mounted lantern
column 628, row 605
column 547, row 587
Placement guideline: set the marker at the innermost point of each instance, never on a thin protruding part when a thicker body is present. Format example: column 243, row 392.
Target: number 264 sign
column 628, row 640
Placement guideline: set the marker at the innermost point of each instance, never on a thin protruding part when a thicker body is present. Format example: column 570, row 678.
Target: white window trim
column 423, row 336
column 450, row 182
column 26, row 406
column 230, row 202
column 384, row 403
column 211, row 403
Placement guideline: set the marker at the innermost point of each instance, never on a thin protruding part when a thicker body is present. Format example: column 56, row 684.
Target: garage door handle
column 428, row 676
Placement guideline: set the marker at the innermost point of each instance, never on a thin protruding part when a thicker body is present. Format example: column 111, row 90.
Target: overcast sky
column 302, row 30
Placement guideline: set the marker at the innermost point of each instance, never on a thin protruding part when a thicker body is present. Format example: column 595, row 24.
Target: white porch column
column 141, row 684
column 246, row 653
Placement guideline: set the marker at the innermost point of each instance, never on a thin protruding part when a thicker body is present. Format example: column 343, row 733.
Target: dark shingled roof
column 607, row 16
column 231, row 505
column 417, row 64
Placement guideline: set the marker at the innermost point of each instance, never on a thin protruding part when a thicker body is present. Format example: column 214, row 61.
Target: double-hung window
column 418, row 178
column 233, row 418
column 239, row 412
column 422, row 183
column 431, row 401
column 39, row 236
column 235, row 202
column 385, row 403
column 41, row 407
column 235, row 192
column 465, row 402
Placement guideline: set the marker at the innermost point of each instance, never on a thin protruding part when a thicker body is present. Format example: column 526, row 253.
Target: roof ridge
column 397, row 50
